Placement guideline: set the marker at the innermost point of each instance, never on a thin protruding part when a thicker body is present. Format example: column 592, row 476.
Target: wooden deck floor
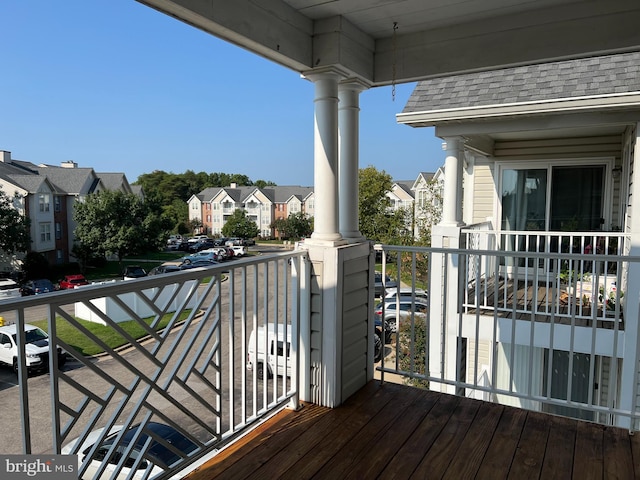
column 395, row 431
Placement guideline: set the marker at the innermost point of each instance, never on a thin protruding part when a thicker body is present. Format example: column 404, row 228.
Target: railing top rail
column 547, row 233
column 116, row 287
column 510, row 253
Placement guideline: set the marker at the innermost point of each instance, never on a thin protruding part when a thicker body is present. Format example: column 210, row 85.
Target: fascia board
column 565, row 105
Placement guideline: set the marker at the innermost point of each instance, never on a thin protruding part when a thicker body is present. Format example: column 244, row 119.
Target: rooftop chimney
column 69, row 164
column 5, row 156
column 233, row 185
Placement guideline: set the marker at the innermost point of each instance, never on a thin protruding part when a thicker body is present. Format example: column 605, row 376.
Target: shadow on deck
column 396, row 431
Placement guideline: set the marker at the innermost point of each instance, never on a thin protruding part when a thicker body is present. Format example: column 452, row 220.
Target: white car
column 406, row 292
column 167, row 447
column 36, row 348
column 9, row 289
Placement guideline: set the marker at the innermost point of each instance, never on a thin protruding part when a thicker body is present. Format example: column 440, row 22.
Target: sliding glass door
column 567, row 198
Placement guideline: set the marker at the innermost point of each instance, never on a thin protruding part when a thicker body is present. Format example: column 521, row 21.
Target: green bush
column 412, row 343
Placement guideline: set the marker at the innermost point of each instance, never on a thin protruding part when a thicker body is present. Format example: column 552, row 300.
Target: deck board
column 396, row 431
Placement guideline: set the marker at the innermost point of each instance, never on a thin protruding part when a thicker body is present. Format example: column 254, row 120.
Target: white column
column 452, row 198
column 631, row 361
column 325, row 158
column 348, row 159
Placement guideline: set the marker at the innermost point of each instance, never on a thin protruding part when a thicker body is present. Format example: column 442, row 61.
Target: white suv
column 36, row 348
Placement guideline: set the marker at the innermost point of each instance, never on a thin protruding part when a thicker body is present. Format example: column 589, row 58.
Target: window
column 44, row 200
column 423, row 198
column 45, row 232
column 556, row 198
column 57, row 203
column 59, row 256
column 58, row 231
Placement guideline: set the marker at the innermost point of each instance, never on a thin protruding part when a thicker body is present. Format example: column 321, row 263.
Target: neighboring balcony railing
column 198, row 367
column 568, row 274
column 506, row 334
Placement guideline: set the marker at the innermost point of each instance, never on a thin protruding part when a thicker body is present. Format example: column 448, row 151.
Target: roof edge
column 562, row 105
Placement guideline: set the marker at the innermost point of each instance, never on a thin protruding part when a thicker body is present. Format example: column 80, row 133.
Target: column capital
column 449, row 142
column 325, row 73
column 354, row 84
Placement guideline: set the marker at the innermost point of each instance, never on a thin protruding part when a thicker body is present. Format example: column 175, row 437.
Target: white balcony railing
column 588, row 285
column 523, row 336
column 191, row 374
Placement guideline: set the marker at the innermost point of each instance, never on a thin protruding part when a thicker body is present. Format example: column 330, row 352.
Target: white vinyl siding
column 484, row 191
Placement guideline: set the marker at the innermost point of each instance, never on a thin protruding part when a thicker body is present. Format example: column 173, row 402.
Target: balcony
column 396, row 431
column 477, row 361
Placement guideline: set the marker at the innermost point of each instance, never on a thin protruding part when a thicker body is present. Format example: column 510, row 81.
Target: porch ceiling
column 431, row 38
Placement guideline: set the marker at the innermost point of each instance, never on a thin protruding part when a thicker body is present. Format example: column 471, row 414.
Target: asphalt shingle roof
column 609, row 74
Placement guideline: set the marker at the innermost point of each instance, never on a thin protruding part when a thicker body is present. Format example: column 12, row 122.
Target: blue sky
column 117, row 86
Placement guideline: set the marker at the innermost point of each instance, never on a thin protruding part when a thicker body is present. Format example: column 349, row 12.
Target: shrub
column 412, row 342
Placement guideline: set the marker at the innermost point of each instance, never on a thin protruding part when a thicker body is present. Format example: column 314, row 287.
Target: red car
column 73, row 281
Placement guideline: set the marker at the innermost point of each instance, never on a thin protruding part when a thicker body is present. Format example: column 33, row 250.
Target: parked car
column 37, row 287
column 72, row 281
column 379, row 286
column 160, row 269
column 407, row 292
column 248, row 242
column 402, row 307
column 161, row 446
column 183, row 246
column 36, row 348
column 204, row 255
column 239, row 250
column 198, row 263
column 201, row 244
column 132, row 272
column 221, row 253
column 173, row 239
column 220, row 242
column 196, row 238
column 8, row 289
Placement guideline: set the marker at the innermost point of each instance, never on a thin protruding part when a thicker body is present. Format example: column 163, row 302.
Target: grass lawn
column 108, row 335
column 113, row 270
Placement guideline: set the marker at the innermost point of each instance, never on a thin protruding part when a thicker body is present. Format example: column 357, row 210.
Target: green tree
column 118, row 223
column 264, row 183
column 300, row 225
column 378, row 222
column 239, row 225
column 14, row 228
column 281, row 226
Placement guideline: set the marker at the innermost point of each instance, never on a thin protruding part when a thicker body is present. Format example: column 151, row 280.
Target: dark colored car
column 201, row 245
column 160, row 269
column 162, row 446
column 379, row 287
column 36, row 287
column 72, row 281
column 133, row 271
